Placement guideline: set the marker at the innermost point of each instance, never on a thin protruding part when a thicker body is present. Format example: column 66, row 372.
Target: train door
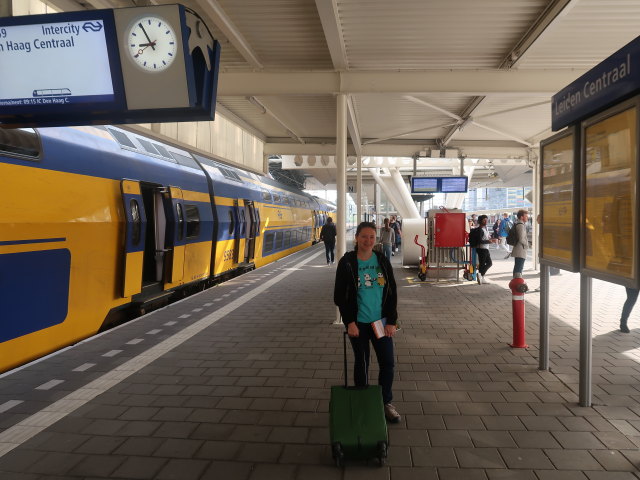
column 135, row 233
column 155, row 239
column 314, row 220
column 236, row 231
column 252, row 229
column 177, row 235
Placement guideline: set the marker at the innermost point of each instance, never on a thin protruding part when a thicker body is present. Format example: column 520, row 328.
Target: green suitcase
column 358, row 428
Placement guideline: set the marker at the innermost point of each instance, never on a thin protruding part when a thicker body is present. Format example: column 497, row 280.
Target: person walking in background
column 519, row 252
column 482, row 249
column 387, row 236
column 393, row 224
column 505, row 225
column 632, row 296
column 495, row 235
column 328, row 236
column 365, row 292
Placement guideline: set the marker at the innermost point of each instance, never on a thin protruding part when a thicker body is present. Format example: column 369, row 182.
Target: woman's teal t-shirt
column 370, row 287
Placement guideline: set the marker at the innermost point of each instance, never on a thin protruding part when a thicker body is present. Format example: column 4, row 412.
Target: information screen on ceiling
column 424, row 185
column 54, row 64
column 439, row 184
column 453, row 185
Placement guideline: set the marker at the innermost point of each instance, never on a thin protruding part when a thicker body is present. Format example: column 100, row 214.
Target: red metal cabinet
column 450, row 230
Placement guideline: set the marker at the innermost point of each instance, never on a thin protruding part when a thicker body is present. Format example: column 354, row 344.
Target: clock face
column 152, row 44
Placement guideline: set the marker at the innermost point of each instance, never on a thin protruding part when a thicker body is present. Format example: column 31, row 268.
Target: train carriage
column 100, row 222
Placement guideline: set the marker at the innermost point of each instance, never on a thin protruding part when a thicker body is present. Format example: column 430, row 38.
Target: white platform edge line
column 14, row 436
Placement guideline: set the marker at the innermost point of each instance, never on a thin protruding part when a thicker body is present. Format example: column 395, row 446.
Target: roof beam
column 328, row 12
column 465, row 116
column 214, row 11
column 553, row 11
column 544, row 83
column 493, row 149
column 352, row 126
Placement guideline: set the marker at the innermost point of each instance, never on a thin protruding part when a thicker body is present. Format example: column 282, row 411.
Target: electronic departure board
column 57, row 66
column 126, row 65
column 424, row 185
column 439, row 184
column 453, row 184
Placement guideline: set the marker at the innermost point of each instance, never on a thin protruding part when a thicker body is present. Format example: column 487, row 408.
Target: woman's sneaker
column 391, row 413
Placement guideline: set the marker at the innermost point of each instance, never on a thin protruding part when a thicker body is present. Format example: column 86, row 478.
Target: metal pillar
column 535, row 225
column 359, row 191
column 543, row 361
column 585, row 341
column 341, row 161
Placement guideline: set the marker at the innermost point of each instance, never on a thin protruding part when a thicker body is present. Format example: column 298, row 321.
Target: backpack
column 475, row 237
column 512, row 236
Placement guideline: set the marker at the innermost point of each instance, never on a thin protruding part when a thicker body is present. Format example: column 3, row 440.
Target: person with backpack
column 517, row 237
column 328, row 236
column 482, row 249
column 503, row 230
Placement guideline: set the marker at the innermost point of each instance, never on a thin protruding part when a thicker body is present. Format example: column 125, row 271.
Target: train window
column 287, row 239
column 163, row 151
column 185, row 160
column 135, row 216
column 193, row 221
column 180, row 220
column 276, row 198
column 121, row 138
column 20, row 141
column 286, row 200
column 148, row 146
column 269, row 240
column 230, row 174
column 231, row 223
column 266, row 196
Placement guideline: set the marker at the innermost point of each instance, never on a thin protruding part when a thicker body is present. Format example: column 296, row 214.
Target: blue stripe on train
column 42, row 276
column 36, row 240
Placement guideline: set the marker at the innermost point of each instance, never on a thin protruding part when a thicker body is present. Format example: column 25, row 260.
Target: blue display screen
column 61, row 64
column 439, row 184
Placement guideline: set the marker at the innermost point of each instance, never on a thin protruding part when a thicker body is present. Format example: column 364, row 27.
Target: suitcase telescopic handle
column 344, row 344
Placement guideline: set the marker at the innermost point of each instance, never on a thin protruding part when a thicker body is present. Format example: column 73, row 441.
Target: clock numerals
column 151, row 43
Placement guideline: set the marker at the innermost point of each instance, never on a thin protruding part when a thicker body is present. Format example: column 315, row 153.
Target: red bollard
column 518, row 287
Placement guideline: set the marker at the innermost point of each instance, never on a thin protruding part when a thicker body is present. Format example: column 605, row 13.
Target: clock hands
column 145, row 45
column 152, row 44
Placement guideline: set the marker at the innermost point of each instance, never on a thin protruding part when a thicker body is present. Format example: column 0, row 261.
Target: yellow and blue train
column 99, row 222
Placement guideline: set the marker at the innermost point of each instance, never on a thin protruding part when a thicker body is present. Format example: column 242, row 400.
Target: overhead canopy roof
column 474, row 77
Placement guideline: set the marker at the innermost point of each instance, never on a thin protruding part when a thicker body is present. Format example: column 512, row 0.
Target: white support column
column 359, row 191
column 341, row 161
column 388, row 191
column 404, row 194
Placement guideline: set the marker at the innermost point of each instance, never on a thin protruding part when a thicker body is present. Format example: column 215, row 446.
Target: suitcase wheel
column 382, row 453
column 338, row 454
column 422, row 276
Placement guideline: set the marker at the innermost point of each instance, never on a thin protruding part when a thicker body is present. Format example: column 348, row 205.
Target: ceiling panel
column 382, row 116
column 283, row 33
column 434, row 34
column 587, row 34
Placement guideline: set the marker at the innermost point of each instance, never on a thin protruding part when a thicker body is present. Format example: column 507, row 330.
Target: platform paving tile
column 247, row 398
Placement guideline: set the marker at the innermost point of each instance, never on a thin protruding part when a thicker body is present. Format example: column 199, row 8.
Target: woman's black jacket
column 345, row 294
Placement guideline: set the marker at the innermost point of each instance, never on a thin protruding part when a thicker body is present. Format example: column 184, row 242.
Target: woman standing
column 365, row 291
column 387, row 235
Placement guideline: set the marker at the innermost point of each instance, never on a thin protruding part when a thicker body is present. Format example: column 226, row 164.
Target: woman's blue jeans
column 387, row 250
column 384, row 353
column 518, row 266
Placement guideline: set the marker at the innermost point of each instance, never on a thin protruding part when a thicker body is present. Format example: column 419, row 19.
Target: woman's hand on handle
column 352, row 329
